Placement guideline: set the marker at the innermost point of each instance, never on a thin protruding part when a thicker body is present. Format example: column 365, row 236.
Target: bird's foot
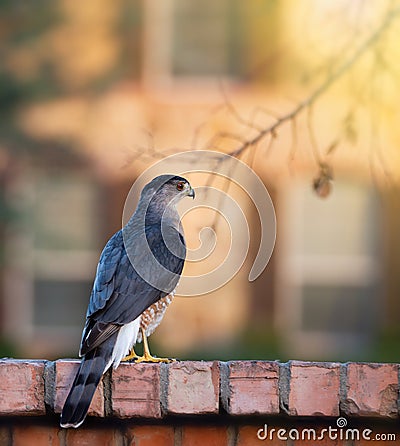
column 150, row 358
column 147, row 357
column 131, row 357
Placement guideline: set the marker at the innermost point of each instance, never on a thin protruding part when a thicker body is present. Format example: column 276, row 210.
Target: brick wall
column 203, row 403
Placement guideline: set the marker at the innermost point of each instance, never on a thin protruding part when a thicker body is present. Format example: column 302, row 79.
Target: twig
column 293, row 147
column 199, row 128
column 313, row 139
column 329, row 81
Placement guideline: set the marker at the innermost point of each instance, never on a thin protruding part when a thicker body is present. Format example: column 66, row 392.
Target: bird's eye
column 180, row 185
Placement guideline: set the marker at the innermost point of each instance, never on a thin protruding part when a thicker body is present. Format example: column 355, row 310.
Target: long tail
column 90, row 371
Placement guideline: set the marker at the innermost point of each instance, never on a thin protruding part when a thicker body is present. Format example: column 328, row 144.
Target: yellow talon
column 147, row 357
column 132, row 356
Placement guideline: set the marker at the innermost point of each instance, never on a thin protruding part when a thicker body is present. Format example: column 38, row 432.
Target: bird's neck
column 154, row 213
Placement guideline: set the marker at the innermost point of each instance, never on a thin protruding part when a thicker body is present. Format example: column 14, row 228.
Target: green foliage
column 250, row 345
column 7, row 349
column 386, row 348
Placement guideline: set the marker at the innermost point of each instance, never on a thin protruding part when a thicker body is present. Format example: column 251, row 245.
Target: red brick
column 253, row 388
column 322, row 437
column 5, row 435
column 388, row 435
column 151, row 435
column 204, row 435
column 193, row 388
column 21, row 387
column 91, row 437
column 372, row 390
column 314, row 389
column 295, row 434
column 136, row 390
column 65, row 374
column 35, row 435
column 248, row 436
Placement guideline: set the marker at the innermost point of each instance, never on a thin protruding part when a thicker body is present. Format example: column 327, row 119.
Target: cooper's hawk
column 136, row 277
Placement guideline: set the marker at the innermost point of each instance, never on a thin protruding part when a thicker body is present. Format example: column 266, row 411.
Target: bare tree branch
column 307, row 103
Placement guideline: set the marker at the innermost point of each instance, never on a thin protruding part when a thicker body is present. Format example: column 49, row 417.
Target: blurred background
column 91, row 95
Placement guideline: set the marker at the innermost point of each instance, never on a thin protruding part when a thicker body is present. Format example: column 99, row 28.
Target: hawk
column 136, row 277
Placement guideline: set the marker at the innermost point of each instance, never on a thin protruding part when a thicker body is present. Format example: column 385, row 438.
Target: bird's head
column 160, row 196
column 168, row 188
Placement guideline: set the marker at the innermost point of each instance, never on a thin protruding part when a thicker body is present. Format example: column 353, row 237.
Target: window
column 329, row 270
column 189, row 40
column 200, row 38
column 54, row 252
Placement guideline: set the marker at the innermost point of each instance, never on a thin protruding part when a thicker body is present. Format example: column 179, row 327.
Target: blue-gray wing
column 119, row 293
column 104, row 282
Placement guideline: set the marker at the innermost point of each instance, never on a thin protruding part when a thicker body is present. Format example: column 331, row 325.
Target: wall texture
column 205, row 403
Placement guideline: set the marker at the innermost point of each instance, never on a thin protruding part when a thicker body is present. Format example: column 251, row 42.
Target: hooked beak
column 191, row 192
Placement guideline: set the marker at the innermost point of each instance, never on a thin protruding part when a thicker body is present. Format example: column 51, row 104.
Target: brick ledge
column 235, row 388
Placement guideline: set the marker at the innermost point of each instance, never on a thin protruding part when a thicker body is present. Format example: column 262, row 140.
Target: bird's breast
column 152, row 316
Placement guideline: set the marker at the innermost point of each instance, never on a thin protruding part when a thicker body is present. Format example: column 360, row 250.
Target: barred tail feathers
column 89, row 374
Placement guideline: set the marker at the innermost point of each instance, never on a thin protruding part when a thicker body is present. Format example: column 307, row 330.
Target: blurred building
column 92, row 89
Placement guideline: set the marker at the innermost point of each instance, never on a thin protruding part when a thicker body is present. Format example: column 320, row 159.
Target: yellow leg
column 132, row 355
column 146, row 353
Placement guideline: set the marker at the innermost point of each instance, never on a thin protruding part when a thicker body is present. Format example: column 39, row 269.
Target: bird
column 137, row 274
